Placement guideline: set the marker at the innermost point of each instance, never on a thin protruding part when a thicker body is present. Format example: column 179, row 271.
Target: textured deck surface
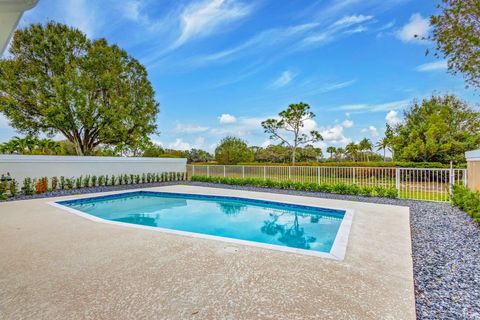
column 56, row 265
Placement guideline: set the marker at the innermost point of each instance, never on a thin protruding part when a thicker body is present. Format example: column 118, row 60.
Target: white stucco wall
column 22, row 166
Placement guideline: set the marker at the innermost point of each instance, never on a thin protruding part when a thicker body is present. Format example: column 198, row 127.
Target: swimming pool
column 274, row 225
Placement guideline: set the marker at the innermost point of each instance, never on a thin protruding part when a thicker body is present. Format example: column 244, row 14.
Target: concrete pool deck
column 57, row 265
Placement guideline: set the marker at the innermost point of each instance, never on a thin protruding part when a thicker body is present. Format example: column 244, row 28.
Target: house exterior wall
column 473, row 168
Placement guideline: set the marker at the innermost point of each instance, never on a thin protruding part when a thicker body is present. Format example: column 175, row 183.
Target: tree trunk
column 294, row 153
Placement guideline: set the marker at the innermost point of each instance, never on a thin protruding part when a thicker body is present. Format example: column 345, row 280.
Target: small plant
column 125, row 178
column 94, row 181
column 149, row 177
column 137, row 179
column 69, row 182
column 41, row 185
column 144, row 178
column 62, row 183
column 132, row 179
column 3, row 190
column 78, row 182
column 120, row 179
column 101, row 180
column 13, row 188
column 107, row 180
column 54, row 183
column 86, row 181
column 112, row 180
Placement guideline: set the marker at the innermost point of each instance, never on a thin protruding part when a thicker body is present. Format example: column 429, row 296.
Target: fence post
column 289, row 173
column 450, row 179
column 243, row 171
column 465, row 177
column 224, row 171
column 354, row 175
column 318, row 175
column 208, row 171
column 264, row 173
column 193, row 170
column 397, row 180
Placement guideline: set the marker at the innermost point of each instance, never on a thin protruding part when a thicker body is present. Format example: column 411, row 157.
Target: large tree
column 232, row 150
column 456, row 32
column 438, row 129
column 58, row 81
column 292, row 120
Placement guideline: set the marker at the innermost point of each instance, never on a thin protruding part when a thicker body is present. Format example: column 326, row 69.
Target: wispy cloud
column 358, row 108
column 285, row 78
column 432, row 66
column 187, row 128
column 342, row 25
column 82, row 15
column 415, row 30
column 201, row 19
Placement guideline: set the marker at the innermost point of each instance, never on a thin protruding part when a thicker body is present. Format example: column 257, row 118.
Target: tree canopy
column 292, row 120
column 438, row 129
column 58, row 81
column 456, row 32
column 232, row 150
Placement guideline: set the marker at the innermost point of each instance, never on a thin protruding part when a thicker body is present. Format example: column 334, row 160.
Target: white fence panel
column 411, row 183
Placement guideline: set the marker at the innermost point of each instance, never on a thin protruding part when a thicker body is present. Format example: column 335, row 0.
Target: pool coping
column 337, row 251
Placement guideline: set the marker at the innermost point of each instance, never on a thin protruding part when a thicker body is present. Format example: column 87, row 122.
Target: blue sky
column 220, row 67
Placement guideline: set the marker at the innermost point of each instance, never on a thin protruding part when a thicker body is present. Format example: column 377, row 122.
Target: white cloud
column 203, row 18
column 227, row 118
column 416, row 29
column 432, row 66
column 371, row 130
column 187, row 128
column 392, row 118
column 285, row 78
column 308, row 125
column 334, row 135
column 179, row 144
column 347, row 123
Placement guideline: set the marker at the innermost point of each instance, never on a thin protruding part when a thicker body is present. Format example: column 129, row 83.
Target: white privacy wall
column 23, row 166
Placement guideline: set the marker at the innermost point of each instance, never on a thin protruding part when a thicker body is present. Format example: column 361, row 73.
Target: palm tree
column 339, row 153
column 365, row 146
column 352, row 150
column 331, row 150
column 383, row 144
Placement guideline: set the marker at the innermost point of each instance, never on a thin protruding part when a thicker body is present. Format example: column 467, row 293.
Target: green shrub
column 467, row 201
column 94, row 181
column 86, row 182
column 27, row 186
column 304, row 186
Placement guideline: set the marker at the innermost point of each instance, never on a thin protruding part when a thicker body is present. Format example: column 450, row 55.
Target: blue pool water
column 267, row 222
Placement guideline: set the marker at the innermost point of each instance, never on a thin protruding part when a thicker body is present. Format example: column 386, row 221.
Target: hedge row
column 340, row 188
column 42, row 185
column 467, row 200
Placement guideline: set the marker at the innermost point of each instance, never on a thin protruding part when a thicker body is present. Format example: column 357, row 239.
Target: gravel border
column 446, row 254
